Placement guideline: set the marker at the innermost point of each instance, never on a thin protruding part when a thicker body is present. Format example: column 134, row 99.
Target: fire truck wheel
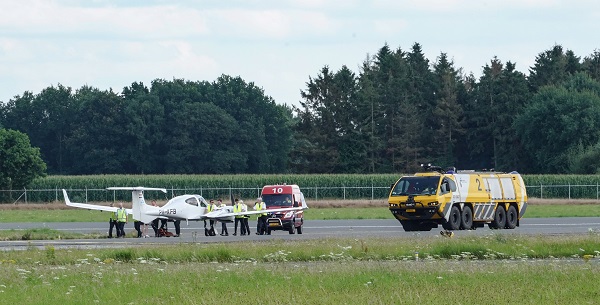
column 466, row 218
column 454, row 222
column 299, row 228
column 292, row 228
column 499, row 218
column 511, row 217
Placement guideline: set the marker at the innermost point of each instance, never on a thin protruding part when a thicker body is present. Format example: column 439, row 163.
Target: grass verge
column 329, row 213
column 332, row 271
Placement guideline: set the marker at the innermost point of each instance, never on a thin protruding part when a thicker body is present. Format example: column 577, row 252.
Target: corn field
column 314, row 187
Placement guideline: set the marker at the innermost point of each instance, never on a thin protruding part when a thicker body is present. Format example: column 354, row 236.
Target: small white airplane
column 184, row 207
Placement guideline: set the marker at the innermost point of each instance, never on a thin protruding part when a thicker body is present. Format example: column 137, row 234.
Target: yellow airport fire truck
column 458, row 200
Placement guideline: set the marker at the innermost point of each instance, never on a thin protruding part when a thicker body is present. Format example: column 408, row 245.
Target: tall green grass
column 489, row 247
column 359, row 282
column 326, row 186
column 496, row 268
column 92, row 188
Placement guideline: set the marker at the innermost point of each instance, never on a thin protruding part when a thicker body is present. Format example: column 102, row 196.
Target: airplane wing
column 91, row 206
column 230, row 212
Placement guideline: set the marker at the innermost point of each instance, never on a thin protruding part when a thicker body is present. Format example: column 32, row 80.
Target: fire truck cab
column 284, row 196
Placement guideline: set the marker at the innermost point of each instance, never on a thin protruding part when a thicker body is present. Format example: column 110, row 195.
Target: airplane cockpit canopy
column 192, row 201
column 196, row 200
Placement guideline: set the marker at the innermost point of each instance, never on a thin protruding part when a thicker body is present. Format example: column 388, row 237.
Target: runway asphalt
column 380, row 228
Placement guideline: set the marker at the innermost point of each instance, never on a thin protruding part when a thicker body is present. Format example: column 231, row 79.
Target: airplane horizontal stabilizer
column 91, row 206
column 137, row 188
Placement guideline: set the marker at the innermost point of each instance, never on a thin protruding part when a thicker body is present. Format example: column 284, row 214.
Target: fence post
column 372, row 191
column 25, row 195
column 541, row 191
column 569, row 190
column 344, row 188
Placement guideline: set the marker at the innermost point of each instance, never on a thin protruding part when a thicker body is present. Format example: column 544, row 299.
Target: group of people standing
column 212, row 207
column 239, row 220
column 118, row 219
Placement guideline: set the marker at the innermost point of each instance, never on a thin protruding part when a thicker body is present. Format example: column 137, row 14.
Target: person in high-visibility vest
column 237, row 208
column 121, row 220
column 261, row 223
column 112, row 223
column 211, row 207
column 223, row 224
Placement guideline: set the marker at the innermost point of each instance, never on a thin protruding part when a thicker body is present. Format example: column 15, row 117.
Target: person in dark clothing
column 137, row 225
column 177, row 224
column 224, row 232
column 245, row 225
column 112, row 222
column 155, row 227
column 237, row 207
column 261, row 222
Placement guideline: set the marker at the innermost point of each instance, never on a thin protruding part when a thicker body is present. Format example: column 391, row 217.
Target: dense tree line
column 398, row 111
column 227, row 126
column 401, row 110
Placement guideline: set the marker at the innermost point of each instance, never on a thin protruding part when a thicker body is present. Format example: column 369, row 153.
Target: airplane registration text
column 167, row 212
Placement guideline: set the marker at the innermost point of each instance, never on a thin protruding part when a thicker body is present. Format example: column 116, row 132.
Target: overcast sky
column 276, row 44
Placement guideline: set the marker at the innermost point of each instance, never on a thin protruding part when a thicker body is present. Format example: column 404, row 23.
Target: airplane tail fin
column 138, row 203
column 67, row 201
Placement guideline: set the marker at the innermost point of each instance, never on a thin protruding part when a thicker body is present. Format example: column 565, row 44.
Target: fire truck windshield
column 278, row 200
column 416, row 186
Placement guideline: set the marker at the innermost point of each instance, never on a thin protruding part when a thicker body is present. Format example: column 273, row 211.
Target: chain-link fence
column 310, row 193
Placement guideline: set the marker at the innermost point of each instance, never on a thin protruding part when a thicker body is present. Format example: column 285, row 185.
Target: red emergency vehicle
column 284, row 196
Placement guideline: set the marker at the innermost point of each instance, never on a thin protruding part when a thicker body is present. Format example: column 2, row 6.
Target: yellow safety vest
column 211, row 207
column 261, row 206
column 121, row 215
column 113, row 216
column 236, row 209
